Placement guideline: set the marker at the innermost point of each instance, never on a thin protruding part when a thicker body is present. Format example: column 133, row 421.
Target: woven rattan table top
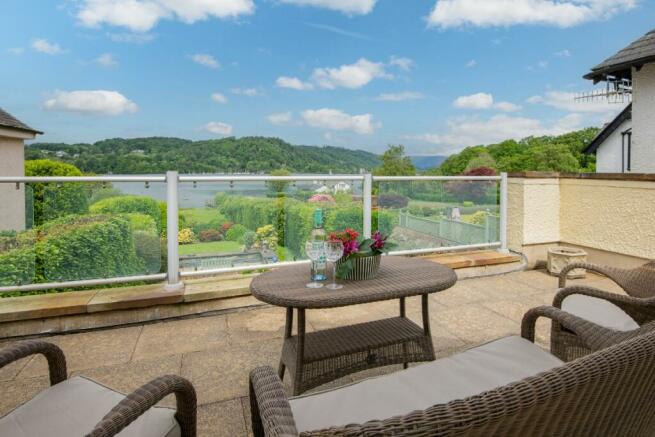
column 398, row 277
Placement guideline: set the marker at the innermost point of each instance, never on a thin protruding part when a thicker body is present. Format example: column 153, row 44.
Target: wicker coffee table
column 319, row 357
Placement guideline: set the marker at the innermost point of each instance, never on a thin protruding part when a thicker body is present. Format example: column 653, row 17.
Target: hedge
column 74, row 248
column 130, row 204
column 50, row 200
column 294, row 219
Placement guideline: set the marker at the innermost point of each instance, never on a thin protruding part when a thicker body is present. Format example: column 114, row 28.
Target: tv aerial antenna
column 617, row 90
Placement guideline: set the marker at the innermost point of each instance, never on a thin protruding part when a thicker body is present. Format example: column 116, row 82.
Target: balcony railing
column 423, row 214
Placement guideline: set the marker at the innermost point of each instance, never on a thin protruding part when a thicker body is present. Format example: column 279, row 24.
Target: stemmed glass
column 315, row 250
column 334, row 252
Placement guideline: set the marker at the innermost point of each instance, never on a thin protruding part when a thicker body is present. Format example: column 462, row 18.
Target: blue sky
column 433, row 75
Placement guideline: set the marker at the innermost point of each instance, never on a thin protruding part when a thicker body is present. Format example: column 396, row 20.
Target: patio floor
column 216, row 352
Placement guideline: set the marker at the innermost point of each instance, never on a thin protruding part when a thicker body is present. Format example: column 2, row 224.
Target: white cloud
column 560, row 13
column 205, row 59
column 349, row 76
column 566, row 101
column 219, row 98
column 333, row 119
column 250, row 92
column 405, row 64
column 143, row 15
column 563, row 53
column 280, row 118
column 472, row 63
column 294, row 83
column 399, row 97
column 131, row 38
column 44, row 46
column 349, row 7
column 470, row 131
column 90, row 102
column 219, row 128
column 507, row 107
column 106, row 60
column 474, row 101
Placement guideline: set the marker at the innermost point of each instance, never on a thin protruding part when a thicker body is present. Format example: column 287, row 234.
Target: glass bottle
column 319, row 267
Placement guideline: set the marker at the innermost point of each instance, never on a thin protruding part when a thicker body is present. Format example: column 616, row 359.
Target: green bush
column 236, row 232
column 142, row 222
column 130, row 204
column 147, row 245
column 17, row 266
column 249, row 239
column 92, row 246
column 104, row 193
column 467, row 203
column 50, row 200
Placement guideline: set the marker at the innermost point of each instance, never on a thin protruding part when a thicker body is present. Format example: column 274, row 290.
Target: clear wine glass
column 315, row 250
column 334, row 252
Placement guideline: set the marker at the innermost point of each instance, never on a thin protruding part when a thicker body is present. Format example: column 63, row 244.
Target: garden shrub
column 236, row 232
column 142, row 222
column 130, row 204
column 210, row 235
column 49, row 200
column 467, row 203
column 267, row 237
column 148, row 248
column 104, row 193
column 17, row 266
column 392, row 201
column 249, row 239
column 186, row 236
column 84, row 247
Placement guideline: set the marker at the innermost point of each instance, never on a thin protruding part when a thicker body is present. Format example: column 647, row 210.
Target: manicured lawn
column 210, row 247
column 200, row 215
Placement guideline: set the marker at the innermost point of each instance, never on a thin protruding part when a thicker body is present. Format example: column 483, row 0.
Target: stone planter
column 560, row 257
column 363, row 268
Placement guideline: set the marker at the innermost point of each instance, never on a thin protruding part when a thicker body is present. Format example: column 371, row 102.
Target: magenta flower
column 379, row 241
column 350, row 247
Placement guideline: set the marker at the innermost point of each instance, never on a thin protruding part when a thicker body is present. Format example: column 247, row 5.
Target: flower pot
column 365, row 267
column 560, row 257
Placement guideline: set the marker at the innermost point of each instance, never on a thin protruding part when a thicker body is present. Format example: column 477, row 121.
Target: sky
column 434, row 75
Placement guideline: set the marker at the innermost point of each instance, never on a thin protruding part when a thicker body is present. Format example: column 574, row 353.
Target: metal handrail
column 172, row 180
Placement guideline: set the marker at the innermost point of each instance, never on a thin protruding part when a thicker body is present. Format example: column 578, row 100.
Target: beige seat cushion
column 599, row 311
column 465, row 374
column 73, row 407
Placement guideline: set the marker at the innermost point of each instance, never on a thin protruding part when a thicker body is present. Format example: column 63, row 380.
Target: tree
column 475, row 191
column 51, row 200
column 484, row 159
column 278, row 186
column 395, row 163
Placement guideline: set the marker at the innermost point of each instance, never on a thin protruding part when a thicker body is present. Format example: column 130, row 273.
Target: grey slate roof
column 8, row 120
column 639, row 52
column 610, row 127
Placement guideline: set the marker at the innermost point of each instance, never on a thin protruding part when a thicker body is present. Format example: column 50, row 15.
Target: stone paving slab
column 217, row 352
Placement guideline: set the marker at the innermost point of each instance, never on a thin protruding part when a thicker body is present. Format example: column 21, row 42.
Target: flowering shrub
column 353, row 248
column 225, row 227
column 266, row 236
column 186, row 236
column 321, row 198
column 210, row 235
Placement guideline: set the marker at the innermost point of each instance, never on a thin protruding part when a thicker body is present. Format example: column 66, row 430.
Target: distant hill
column 425, row 162
column 159, row 154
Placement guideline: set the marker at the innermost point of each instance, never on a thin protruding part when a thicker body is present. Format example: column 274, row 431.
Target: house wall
column 608, row 155
column 643, row 119
column 610, row 218
column 12, row 200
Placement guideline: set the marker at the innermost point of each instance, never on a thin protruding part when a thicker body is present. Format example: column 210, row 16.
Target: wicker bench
column 505, row 388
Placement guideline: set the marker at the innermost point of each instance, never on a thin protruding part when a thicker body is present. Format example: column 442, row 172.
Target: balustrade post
column 368, row 204
column 172, row 228
column 503, row 212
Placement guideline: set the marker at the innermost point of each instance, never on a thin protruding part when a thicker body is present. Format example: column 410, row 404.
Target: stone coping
column 87, row 302
column 647, row 177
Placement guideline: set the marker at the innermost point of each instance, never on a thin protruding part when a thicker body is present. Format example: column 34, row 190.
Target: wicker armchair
column 637, row 282
column 138, row 404
column 566, row 344
column 609, row 393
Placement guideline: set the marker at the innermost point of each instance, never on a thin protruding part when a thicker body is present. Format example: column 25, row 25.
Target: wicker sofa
column 79, row 406
column 637, row 282
column 509, row 387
